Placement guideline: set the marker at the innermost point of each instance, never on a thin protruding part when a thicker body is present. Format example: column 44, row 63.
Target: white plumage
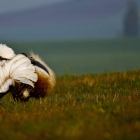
column 19, row 69
column 6, row 53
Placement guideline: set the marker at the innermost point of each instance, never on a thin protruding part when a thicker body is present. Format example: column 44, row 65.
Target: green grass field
column 84, row 107
column 85, row 56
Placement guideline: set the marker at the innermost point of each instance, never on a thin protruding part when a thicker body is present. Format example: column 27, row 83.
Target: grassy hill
column 92, row 106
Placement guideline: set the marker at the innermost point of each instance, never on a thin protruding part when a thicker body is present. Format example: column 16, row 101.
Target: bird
column 46, row 77
column 18, row 76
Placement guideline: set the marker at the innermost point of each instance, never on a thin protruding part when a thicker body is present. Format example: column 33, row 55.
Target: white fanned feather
column 2, row 62
column 6, row 52
column 18, row 69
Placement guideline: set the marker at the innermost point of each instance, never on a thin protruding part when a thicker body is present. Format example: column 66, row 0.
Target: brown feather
column 18, row 89
column 43, row 86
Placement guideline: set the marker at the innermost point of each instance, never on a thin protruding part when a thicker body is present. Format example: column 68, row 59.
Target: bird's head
column 33, row 57
column 42, row 66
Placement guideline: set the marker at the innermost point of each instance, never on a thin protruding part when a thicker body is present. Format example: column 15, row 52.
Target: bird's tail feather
column 18, row 69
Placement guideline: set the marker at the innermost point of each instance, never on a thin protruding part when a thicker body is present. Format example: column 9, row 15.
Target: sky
column 61, row 19
column 14, row 5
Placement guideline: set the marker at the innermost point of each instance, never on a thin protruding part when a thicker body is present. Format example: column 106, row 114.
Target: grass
column 92, row 106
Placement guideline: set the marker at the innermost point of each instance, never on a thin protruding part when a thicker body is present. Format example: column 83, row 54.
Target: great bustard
column 42, row 85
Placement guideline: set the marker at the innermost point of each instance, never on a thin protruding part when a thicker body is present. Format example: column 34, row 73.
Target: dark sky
column 16, row 5
column 63, row 19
